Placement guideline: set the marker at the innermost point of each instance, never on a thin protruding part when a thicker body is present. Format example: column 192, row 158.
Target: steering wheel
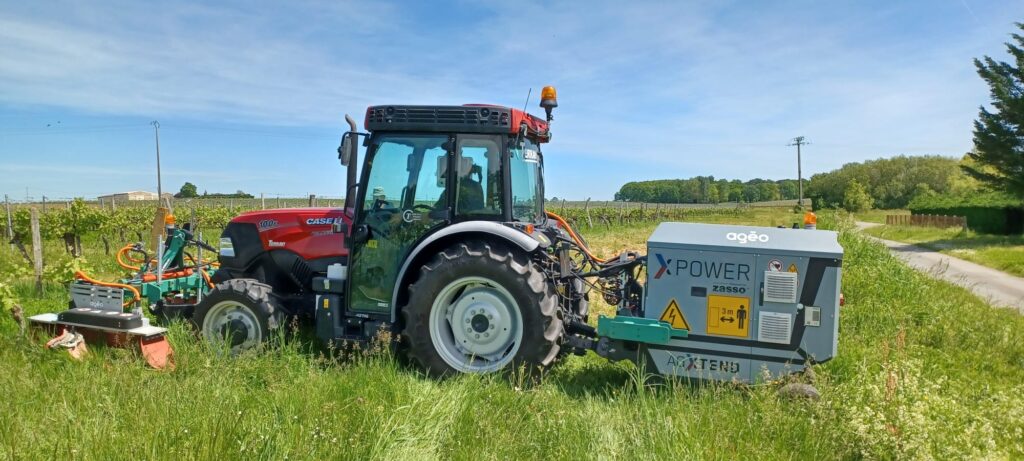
column 421, row 206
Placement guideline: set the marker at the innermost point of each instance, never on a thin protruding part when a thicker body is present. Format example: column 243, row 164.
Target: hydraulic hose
column 82, row 276
column 206, row 277
column 575, row 238
column 123, row 253
column 209, row 262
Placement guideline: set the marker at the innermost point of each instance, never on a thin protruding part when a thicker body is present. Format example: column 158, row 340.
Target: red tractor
column 443, row 239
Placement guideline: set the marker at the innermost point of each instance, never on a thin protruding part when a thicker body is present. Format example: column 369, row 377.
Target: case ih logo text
column 743, row 237
column 702, row 269
column 320, row 221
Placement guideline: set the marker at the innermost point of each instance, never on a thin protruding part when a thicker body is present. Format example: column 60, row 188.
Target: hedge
column 990, row 213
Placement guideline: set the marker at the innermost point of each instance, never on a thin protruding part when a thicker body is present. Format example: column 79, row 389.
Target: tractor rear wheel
column 480, row 308
column 240, row 312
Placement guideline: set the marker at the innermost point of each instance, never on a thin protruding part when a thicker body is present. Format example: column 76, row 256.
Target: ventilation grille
column 780, row 287
column 417, row 116
column 97, row 297
column 300, row 271
column 774, row 327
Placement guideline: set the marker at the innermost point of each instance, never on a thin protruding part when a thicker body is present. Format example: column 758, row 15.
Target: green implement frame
column 638, row 329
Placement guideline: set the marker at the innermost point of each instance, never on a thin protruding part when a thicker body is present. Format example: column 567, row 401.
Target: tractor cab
column 430, row 167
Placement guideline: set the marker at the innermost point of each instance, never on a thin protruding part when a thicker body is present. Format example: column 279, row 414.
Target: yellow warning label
column 673, row 316
column 728, row 316
column 792, row 268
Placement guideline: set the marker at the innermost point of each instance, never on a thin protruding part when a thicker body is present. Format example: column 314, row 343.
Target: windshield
column 526, row 168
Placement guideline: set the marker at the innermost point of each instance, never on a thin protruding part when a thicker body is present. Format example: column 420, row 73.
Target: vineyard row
column 129, row 223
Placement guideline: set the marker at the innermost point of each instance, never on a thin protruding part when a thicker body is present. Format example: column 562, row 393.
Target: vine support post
column 37, row 251
column 586, row 210
column 263, row 202
column 10, row 228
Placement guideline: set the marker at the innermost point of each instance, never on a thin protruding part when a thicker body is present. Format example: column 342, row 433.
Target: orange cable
column 575, row 237
column 121, row 262
column 206, row 277
column 138, row 297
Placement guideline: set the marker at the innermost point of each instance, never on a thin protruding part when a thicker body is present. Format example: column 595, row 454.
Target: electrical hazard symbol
column 673, row 316
column 728, row 316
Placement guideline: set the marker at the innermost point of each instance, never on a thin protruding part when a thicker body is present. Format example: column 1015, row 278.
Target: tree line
column 993, row 169
column 707, row 189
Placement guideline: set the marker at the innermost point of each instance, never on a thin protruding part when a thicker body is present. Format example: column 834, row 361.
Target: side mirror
column 360, row 234
column 339, row 227
column 345, row 150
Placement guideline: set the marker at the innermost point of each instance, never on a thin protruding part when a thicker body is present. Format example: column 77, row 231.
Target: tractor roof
column 469, row 118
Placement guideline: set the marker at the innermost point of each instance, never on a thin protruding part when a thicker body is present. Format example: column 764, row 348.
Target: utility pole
column 159, row 187
column 799, row 141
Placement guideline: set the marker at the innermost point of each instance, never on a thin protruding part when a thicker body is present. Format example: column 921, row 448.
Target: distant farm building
column 131, row 196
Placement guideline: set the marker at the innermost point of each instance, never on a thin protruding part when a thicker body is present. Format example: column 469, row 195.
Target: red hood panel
column 306, row 231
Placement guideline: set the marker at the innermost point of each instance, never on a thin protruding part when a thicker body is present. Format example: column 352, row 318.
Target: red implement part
column 156, row 349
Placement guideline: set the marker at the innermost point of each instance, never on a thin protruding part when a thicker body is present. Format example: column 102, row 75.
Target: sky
column 253, row 97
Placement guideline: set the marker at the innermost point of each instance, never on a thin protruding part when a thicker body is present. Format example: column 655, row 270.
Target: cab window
column 478, row 163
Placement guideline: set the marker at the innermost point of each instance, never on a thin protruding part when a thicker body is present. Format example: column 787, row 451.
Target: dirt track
column 999, row 288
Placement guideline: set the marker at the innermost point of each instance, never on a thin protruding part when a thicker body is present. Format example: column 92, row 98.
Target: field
column 911, row 381
column 1002, row 252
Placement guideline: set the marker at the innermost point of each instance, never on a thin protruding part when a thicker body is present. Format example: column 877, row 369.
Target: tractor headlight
column 226, row 247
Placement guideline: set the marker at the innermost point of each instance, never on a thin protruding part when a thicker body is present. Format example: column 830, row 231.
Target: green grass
column 1002, row 252
column 925, row 370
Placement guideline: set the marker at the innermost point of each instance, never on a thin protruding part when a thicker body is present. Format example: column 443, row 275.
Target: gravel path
column 999, row 288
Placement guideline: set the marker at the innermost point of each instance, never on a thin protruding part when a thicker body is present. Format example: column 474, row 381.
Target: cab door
column 404, row 198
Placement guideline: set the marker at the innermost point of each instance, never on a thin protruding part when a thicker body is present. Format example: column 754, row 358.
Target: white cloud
column 686, row 88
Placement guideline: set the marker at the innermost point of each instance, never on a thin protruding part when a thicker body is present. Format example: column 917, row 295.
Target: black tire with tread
column 249, row 292
column 538, row 303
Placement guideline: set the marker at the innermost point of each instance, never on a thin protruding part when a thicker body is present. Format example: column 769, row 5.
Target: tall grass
column 925, row 370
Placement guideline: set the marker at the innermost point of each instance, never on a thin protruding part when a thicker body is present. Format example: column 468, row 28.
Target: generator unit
column 756, row 302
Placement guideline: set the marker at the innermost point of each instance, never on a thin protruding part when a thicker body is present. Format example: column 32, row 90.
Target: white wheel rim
column 476, row 325
column 234, row 323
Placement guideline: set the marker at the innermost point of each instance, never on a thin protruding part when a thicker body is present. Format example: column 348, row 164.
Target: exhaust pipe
column 353, row 162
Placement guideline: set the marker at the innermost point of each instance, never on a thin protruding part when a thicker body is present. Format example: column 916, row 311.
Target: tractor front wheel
column 479, row 308
column 240, row 313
